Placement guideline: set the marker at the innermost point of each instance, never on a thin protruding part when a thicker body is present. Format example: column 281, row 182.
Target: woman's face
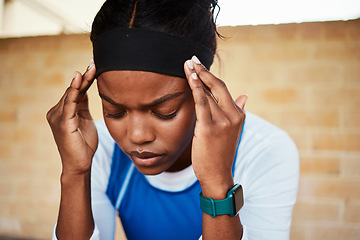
column 151, row 117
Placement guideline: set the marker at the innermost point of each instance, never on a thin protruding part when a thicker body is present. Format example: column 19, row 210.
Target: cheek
column 116, row 130
column 181, row 131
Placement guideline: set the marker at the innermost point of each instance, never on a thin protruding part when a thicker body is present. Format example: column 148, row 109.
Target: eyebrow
column 158, row 101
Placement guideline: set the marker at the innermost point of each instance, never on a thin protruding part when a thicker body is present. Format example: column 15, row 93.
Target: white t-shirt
column 266, row 165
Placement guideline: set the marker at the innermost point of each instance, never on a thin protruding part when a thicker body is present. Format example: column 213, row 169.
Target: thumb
column 241, row 100
column 83, row 108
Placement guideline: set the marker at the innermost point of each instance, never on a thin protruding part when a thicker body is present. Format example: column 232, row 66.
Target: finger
column 202, row 106
column 70, row 101
column 216, row 86
column 217, row 115
column 215, row 111
column 240, row 105
column 87, row 79
column 57, row 110
column 241, row 100
column 83, row 108
column 189, row 69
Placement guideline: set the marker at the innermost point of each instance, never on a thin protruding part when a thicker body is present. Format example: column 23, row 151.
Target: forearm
column 222, row 226
column 75, row 219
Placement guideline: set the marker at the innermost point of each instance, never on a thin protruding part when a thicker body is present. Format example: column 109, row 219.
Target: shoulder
column 101, row 165
column 266, row 157
column 267, row 166
column 260, row 135
column 260, row 129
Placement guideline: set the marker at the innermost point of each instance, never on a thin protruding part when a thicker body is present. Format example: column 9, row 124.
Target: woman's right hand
column 72, row 125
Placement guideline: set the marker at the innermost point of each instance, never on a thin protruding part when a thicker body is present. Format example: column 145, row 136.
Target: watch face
column 238, row 199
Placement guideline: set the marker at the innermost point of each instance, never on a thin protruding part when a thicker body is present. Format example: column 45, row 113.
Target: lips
column 145, row 159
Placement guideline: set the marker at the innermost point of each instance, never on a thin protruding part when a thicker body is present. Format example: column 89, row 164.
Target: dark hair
column 192, row 19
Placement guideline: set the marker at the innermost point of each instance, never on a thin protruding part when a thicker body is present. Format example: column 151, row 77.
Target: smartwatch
column 231, row 205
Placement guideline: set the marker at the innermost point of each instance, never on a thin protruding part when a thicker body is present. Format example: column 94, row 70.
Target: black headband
column 146, row 50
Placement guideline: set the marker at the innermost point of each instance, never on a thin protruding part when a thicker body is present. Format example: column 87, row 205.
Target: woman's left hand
column 217, row 130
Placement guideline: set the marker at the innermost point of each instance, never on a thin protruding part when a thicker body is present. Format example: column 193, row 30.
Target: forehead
column 141, row 85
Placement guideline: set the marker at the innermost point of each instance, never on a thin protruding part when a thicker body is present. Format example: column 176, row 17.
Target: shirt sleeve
column 94, row 236
column 103, row 210
column 268, row 169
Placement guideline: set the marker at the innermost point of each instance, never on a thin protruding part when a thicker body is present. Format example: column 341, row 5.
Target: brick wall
column 304, row 78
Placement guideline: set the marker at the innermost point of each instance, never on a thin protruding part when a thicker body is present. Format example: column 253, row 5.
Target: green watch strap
column 216, row 207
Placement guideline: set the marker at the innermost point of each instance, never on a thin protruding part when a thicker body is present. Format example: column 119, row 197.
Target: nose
column 140, row 130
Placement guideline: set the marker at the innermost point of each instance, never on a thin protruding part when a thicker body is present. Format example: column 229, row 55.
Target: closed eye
column 165, row 117
column 116, row 115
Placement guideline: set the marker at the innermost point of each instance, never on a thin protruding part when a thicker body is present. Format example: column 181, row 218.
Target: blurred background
column 299, row 62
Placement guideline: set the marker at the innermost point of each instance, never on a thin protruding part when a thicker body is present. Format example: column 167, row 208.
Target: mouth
column 145, row 159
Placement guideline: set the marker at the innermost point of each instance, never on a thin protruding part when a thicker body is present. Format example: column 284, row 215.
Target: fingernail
column 194, row 76
column 74, row 75
column 91, row 64
column 190, row 64
column 196, row 60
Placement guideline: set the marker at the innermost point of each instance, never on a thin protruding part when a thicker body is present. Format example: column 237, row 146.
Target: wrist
column 70, row 177
column 217, row 190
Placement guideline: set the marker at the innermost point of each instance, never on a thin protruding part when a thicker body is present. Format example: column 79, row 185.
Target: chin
column 151, row 170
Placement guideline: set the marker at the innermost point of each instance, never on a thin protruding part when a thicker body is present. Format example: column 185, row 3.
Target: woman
column 170, row 131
